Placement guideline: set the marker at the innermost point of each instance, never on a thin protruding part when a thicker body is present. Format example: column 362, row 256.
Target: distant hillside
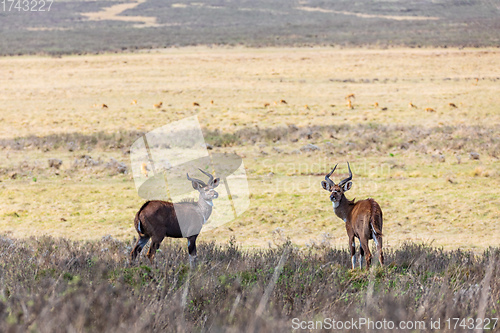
column 94, row 26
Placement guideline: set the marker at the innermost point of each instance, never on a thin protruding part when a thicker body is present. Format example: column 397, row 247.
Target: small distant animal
column 158, row 105
column 350, row 96
column 134, row 102
column 306, row 107
column 349, row 104
column 266, row 105
column 384, row 109
column 144, row 169
column 473, row 155
column 430, row 110
column 158, row 219
column 102, row 106
column 363, row 219
column 375, row 104
column 212, row 102
column 55, row 163
column 452, row 105
column 439, row 157
column 411, row 105
column 283, row 101
column 476, row 80
column 196, row 104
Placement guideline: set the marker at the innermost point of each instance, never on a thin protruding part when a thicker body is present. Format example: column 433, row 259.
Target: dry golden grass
column 451, row 204
column 60, row 92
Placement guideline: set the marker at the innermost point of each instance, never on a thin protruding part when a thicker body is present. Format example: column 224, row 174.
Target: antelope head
column 207, row 192
column 337, row 190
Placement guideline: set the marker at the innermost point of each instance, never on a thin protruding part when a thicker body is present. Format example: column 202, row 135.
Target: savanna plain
column 420, row 132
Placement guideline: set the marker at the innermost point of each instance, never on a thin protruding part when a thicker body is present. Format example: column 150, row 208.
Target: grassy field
column 46, row 95
column 404, row 157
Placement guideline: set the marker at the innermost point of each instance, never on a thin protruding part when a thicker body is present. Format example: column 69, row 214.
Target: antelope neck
column 205, row 207
column 342, row 210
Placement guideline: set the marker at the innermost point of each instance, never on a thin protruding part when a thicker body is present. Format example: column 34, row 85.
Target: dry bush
column 365, row 138
column 73, row 141
column 56, row 285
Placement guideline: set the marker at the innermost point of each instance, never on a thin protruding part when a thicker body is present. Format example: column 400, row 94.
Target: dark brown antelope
column 363, row 219
column 159, row 219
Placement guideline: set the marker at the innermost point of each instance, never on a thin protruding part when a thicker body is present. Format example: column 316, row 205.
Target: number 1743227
column 25, row 5
column 471, row 323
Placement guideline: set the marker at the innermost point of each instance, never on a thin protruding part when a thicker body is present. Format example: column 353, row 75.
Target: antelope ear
column 196, row 186
column 216, row 182
column 326, row 186
column 347, row 186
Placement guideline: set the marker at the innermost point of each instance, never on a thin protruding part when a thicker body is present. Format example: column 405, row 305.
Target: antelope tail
column 375, row 217
column 137, row 220
column 139, row 226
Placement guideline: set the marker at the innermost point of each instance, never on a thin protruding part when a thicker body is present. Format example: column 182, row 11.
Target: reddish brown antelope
column 159, row 219
column 363, row 219
column 349, row 104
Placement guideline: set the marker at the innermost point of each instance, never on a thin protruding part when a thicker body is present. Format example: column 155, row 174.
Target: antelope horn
column 196, row 180
column 327, row 177
column 211, row 180
column 348, row 178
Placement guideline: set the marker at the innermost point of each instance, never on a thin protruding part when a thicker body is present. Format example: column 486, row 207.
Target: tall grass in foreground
column 57, row 285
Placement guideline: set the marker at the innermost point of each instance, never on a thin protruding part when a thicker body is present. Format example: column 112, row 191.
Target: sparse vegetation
column 67, row 29
column 371, row 137
column 50, row 285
